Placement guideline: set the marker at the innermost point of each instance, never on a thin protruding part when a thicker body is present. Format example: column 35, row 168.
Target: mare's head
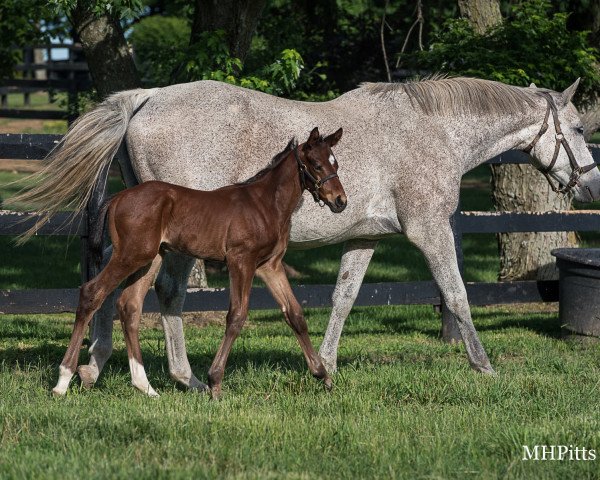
column 559, row 149
column 318, row 169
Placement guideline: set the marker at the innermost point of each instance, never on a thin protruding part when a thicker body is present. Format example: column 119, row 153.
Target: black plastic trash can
column 579, row 291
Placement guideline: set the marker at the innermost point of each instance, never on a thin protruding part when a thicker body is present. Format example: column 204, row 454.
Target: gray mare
column 405, row 149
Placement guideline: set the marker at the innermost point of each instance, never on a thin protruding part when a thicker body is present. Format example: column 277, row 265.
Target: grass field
column 404, row 405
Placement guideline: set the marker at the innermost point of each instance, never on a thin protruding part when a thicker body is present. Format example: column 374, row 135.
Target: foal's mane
column 440, row 95
column 276, row 160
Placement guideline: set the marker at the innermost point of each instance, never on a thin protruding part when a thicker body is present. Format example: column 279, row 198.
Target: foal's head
column 319, row 169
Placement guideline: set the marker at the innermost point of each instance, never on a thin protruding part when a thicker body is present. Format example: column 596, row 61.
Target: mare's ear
column 567, row 95
column 532, row 85
column 314, row 137
column 334, row 138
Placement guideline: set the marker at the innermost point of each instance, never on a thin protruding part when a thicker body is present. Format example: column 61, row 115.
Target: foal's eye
column 318, row 168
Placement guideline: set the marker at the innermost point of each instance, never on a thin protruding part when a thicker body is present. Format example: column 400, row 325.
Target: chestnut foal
column 247, row 225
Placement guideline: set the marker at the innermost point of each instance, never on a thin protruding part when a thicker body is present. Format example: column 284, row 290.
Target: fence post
column 450, row 332
column 28, row 59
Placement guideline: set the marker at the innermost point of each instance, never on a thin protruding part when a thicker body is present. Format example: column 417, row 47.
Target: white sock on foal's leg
column 139, row 378
column 64, row 378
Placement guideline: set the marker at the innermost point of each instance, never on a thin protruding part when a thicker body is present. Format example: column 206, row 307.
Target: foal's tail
column 76, row 163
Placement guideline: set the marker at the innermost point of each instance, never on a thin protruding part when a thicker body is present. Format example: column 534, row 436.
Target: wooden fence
column 400, row 293
column 70, row 75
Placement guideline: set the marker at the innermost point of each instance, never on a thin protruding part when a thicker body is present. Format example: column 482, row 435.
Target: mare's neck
column 478, row 138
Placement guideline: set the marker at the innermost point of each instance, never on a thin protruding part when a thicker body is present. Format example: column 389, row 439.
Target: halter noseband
column 576, row 170
column 316, row 183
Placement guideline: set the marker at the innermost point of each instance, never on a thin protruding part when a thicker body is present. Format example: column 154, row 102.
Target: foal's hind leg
column 171, row 287
column 435, row 239
column 91, row 296
column 129, row 306
column 273, row 274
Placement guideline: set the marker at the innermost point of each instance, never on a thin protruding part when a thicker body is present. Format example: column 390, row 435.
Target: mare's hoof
column 328, row 384
column 486, row 370
column 330, row 364
column 200, row 388
column 87, row 376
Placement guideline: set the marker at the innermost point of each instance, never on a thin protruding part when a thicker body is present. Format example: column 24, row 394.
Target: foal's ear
column 314, row 137
column 532, row 85
column 334, row 138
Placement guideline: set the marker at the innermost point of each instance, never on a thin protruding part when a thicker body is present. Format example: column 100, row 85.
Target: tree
column 238, row 18
column 520, row 188
column 106, row 51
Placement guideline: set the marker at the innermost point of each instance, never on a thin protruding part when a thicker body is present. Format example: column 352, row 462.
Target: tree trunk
column 526, row 256
column 482, row 14
column 520, row 188
column 106, row 50
column 237, row 17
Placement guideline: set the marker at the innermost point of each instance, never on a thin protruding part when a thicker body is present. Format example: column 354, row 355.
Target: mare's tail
column 76, row 163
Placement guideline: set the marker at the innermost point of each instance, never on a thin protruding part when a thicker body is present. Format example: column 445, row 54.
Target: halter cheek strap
column 576, row 170
column 316, row 183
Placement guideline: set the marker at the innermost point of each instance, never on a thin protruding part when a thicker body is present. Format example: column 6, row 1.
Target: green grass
column 404, row 405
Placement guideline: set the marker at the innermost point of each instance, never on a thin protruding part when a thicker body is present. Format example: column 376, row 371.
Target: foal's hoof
column 215, row 392
column 328, row 384
column 57, row 393
column 87, row 376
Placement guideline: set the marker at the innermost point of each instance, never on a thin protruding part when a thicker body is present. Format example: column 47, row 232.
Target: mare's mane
column 276, row 160
column 440, row 95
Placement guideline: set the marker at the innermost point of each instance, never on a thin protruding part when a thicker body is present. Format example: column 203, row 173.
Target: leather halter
column 576, row 170
column 316, row 183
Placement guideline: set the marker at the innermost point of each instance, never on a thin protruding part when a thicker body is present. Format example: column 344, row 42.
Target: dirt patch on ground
column 20, row 166
column 21, row 126
column 195, row 319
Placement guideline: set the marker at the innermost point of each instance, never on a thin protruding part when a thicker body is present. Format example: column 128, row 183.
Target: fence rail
column 35, row 147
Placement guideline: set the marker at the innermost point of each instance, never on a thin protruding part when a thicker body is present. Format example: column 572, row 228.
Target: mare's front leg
column 130, row 306
column 241, row 272
column 433, row 236
column 91, row 296
column 171, row 287
column 355, row 260
column 273, row 274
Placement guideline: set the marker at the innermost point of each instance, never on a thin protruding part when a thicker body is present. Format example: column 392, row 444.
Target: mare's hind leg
column 91, row 296
column 100, row 336
column 241, row 272
column 435, row 239
column 273, row 274
column 129, row 306
column 171, row 287
column 355, row 261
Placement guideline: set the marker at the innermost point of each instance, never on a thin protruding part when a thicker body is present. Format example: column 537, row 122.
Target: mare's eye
column 579, row 130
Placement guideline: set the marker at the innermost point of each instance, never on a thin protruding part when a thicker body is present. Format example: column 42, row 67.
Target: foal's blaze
column 247, row 225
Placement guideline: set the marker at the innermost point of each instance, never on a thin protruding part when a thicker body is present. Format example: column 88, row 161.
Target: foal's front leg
column 129, row 306
column 273, row 274
column 241, row 272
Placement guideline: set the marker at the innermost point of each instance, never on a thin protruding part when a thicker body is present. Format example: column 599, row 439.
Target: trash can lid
column 585, row 256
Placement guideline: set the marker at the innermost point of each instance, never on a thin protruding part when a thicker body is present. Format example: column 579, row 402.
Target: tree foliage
column 532, row 45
